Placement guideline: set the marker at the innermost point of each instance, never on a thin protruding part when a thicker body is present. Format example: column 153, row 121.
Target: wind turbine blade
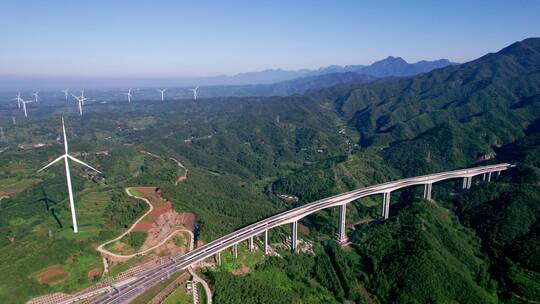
column 82, row 163
column 52, row 163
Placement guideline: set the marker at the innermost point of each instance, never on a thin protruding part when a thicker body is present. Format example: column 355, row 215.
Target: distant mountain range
column 390, row 66
column 307, row 81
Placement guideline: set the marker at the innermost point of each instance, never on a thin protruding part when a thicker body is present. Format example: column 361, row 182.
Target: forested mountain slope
column 459, row 112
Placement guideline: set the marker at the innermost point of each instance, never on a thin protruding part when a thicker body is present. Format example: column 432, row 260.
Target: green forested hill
column 457, row 113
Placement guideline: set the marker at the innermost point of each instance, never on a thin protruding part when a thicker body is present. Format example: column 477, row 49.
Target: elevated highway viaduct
column 126, row 292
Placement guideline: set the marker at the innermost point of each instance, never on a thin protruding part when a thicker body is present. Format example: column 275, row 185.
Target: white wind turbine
column 80, row 100
column 162, row 92
column 129, row 95
column 24, row 102
column 82, row 96
column 194, row 92
column 18, row 99
column 65, row 157
column 66, row 92
column 36, row 96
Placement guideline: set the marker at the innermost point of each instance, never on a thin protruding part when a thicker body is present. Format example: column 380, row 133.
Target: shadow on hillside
column 47, row 202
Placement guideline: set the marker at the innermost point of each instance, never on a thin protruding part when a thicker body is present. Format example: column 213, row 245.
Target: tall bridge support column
column 235, row 250
column 342, row 229
column 467, row 182
column 266, row 242
column 489, row 177
column 498, row 174
column 251, row 246
column 427, row 191
column 218, row 258
column 386, row 205
column 294, row 238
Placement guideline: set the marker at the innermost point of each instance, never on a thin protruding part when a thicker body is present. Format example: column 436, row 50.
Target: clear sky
column 201, row 38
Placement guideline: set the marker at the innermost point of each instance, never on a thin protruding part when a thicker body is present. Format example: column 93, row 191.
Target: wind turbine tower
column 36, row 96
column 24, row 102
column 80, row 100
column 194, row 92
column 18, row 99
column 129, row 95
column 83, row 98
column 66, row 93
column 66, row 157
column 162, row 94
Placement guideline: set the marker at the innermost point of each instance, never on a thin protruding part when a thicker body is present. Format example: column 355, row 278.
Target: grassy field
column 154, row 290
column 114, row 271
column 179, row 296
column 245, row 261
column 14, row 184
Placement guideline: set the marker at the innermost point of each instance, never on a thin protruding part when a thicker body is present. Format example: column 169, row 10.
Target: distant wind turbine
column 36, row 96
column 194, row 92
column 24, row 102
column 66, row 92
column 162, row 92
column 18, row 99
column 80, row 100
column 129, row 95
column 83, row 98
column 65, row 157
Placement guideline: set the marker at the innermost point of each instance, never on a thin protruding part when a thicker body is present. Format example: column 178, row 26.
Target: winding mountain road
column 101, row 248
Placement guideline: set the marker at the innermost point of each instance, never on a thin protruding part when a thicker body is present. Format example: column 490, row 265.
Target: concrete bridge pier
column 467, row 182
column 427, row 191
column 342, row 229
column 235, row 250
column 294, row 238
column 489, row 177
column 386, row 205
column 266, row 242
column 251, row 246
column 218, row 258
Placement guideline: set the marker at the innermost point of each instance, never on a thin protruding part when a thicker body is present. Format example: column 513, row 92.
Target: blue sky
column 201, row 38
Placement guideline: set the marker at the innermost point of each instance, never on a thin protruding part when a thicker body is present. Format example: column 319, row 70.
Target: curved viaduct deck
column 123, row 294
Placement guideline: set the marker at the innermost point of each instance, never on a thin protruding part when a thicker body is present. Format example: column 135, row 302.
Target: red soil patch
column 94, row 273
column 160, row 205
column 10, row 192
column 303, row 229
column 162, row 220
column 52, row 275
column 243, row 269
